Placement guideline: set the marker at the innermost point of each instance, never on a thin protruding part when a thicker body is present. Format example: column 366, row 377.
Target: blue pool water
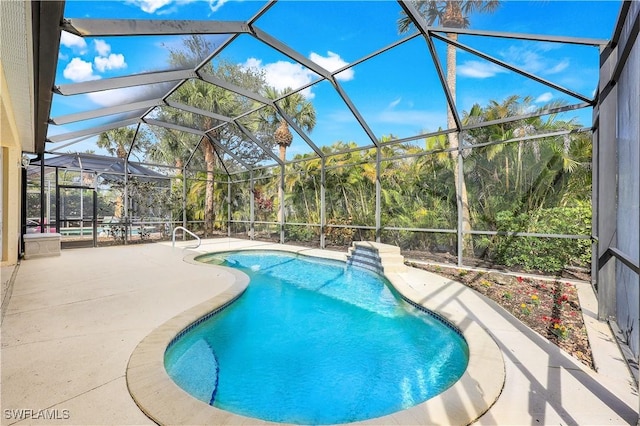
column 312, row 341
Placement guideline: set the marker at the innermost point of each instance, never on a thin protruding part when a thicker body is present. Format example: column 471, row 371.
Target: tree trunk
column 461, row 187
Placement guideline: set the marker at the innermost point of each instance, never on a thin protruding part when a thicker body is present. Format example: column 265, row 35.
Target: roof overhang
column 16, row 56
column 46, row 19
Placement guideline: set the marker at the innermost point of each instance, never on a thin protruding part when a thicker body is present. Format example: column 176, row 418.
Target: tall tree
column 531, row 174
column 452, row 14
column 118, row 141
column 295, row 106
column 212, row 98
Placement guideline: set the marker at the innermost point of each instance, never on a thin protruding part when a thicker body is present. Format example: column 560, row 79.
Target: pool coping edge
column 164, row 402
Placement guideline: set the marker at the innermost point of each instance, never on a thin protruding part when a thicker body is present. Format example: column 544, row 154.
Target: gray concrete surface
column 73, row 322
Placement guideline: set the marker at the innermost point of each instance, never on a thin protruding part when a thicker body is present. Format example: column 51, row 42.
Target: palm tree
column 208, row 97
column 172, row 147
column 452, row 14
column 118, row 141
column 295, row 106
column 526, row 175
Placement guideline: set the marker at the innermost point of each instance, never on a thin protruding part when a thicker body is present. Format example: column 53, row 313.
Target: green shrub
column 301, row 233
column 339, row 236
column 544, row 254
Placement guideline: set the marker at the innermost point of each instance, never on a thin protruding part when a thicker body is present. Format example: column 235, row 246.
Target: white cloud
column 111, row 62
column 544, row 98
column 215, row 5
column 531, row 61
column 333, row 62
column 394, row 103
column 523, row 58
column 154, row 6
column 149, row 6
column 559, row 67
column 102, row 47
column 78, row 70
column 283, row 74
column 548, row 46
column 478, row 69
column 73, row 41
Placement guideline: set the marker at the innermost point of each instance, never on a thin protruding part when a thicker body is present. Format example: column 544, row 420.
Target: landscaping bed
column 549, row 307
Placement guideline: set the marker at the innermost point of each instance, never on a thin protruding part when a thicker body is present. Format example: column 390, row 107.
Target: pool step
column 376, row 257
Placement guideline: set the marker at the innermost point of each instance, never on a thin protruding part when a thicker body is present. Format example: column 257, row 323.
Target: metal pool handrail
column 173, row 237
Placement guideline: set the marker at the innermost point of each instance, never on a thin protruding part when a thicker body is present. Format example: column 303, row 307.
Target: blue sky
column 397, row 92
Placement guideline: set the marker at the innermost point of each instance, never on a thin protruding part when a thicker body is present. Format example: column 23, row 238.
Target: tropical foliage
column 452, row 14
column 530, row 175
column 516, row 183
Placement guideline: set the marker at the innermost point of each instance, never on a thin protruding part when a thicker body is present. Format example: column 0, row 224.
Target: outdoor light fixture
column 25, row 161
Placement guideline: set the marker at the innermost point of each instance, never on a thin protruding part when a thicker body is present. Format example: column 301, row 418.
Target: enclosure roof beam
column 416, row 137
column 188, row 108
column 193, row 131
column 92, row 131
column 526, row 138
column 356, row 113
column 150, row 27
column 298, row 130
column 272, row 102
column 178, row 127
column 217, row 144
column 122, row 82
column 539, row 113
column 287, row 51
column 268, row 5
column 133, row 142
column 348, row 150
column 521, row 36
column 233, row 88
column 377, row 52
column 64, row 145
column 102, row 112
column 257, row 142
column 512, row 68
column 424, row 29
column 193, row 153
column 215, row 151
column 215, row 52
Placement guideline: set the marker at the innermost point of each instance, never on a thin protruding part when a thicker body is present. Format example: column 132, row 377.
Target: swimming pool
column 311, row 341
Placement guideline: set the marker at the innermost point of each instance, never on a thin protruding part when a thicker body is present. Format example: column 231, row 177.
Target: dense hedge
column 544, row 254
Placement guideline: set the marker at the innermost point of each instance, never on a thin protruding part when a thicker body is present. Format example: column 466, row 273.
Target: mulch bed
column 549, row 307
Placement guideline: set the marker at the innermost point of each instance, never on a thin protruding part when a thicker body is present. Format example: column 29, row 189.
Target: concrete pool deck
column 73, row 322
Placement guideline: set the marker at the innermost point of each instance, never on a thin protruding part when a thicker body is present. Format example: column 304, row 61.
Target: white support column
column 378, row 195
column 126, row 201
column 252, row 216
column 460, row 166
column 184, row 196
column 228, row 206
column 323, row 215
